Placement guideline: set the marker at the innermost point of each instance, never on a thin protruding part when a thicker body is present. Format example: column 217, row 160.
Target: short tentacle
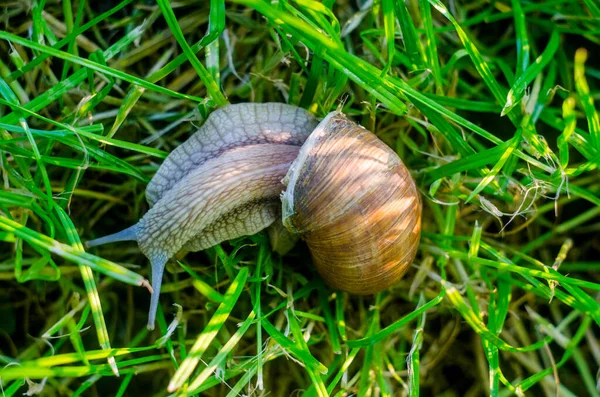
column 129, row 234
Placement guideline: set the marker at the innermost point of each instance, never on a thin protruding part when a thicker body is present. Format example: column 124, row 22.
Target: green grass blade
column 412, row 44
column 305, row 357
column 517, row 91
column 210, row 331
column 586, row 99
column 522, row 39
column 72, row 254
column 482, row 67
column 221, row 356
column 95, row 66
column 433, row 60
column 390, row 329
column 212, row 86
column 389, row 27
column 514, row 142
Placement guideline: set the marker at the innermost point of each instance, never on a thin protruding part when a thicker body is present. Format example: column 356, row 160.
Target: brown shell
column 355, row 204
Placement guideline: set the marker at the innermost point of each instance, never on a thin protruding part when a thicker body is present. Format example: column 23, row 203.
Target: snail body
column 345, row 193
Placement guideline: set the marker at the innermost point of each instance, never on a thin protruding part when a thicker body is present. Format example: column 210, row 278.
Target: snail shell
column 355, row 204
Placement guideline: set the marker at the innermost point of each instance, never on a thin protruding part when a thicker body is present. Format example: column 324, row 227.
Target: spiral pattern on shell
column 350, row 197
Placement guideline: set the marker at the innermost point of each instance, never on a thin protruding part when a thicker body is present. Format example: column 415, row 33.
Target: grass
column 490, row 104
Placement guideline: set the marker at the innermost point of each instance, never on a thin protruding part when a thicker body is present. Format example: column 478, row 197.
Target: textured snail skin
column 355, row 204
column 224, row 182
column 227, row 128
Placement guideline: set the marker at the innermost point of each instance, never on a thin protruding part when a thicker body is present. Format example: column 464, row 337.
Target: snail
column 255, row 166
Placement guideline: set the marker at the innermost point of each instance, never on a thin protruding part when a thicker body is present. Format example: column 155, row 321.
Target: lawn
column 490, row 105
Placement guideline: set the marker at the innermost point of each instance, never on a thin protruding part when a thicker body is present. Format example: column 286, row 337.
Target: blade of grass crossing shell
column 212, row 86
column 210, row 331
column 522, row 40
column 583, row 90
column 517, row 91
column 431, row 47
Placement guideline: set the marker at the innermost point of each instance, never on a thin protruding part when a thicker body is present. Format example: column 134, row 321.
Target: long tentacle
column 129, row 234
column 158, row 263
